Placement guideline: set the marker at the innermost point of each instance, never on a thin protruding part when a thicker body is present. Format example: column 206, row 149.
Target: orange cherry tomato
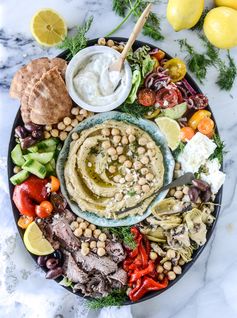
column 186, row 133
column 44, row 210
column 146, row 97
column 206, row 126
column 24, row 221
column 197, row 117
column 55, row 184
column 158, row 54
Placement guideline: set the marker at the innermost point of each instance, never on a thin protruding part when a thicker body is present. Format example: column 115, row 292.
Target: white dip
column 95, row 84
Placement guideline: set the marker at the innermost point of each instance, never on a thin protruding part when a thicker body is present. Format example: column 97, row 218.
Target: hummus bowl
column 64, row 170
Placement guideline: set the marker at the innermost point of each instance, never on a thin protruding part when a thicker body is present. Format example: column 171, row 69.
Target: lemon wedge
column 48, row 27
column 170, row 128
column 35, row 241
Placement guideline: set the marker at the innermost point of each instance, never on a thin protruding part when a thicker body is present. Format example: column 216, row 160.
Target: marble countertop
column 210, row 286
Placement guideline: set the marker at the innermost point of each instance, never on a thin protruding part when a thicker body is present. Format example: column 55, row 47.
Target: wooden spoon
column 118, row 64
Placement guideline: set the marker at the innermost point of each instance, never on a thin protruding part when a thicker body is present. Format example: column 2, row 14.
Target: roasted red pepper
column 29, row 193
column 147, row 284
column 140, row 273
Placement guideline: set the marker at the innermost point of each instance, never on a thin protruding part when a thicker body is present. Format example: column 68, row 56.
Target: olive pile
column 199, row 188
column 29, row 134
column 53, row 263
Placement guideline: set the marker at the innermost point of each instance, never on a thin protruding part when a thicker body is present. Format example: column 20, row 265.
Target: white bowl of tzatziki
column 92, row 85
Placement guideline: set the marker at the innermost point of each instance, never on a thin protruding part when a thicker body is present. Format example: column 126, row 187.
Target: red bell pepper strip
column 137, row 287
column 148, row 284
column 139, row 273
column 144, row 255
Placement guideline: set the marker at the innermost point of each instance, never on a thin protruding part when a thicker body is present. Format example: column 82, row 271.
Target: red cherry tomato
column 168, row 97
column 146, row 97
column 44, row 210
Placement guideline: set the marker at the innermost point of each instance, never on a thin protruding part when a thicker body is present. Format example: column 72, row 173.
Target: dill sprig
column 220, row 149
column 211, row 51
column 135, row 109
column 120, row 7
column 124, row 234
column 78, row 41
column 116, row 298
column 227, row 73
column 199, row 25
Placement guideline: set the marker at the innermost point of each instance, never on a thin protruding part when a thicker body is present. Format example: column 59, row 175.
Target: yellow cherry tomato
column 197, row 117
column 177, row 69
column 153, row 114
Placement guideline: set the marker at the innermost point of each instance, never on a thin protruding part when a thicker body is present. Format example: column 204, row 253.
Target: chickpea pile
column 92, row 238
column 62, row 129
column 110, row 43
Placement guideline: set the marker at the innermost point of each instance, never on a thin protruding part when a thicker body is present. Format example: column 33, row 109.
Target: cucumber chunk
column 35, row 167
column 19, row 177
column 43, row 157
column 47, row 145
column 176, row 112
column 32, row 149
column 17, row 156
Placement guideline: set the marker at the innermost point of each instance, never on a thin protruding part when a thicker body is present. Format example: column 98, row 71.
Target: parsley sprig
column 124, row 234
column 220, row 149
column 135, row 109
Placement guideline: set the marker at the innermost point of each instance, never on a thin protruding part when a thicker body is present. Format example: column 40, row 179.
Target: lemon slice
column 35, row 241
column 170, row 128
column 48, row 27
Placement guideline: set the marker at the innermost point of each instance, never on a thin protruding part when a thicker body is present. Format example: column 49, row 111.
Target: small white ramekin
column 73, row 67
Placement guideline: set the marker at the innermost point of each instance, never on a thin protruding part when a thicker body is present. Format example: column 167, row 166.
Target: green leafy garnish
column 178, row 150
column 77, row 42
column 127, row 8
column 131, row 193
column 147, row 65
column 135, row 109
column 227, row 73
column 136, row 81
column 116, row 298
column 66, row 282
column 124, row 234
column 199, row 25
column 136, row 58
column 219, row 151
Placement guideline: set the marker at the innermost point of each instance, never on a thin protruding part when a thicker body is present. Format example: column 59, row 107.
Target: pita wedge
column 35, row 69
column 49, row 101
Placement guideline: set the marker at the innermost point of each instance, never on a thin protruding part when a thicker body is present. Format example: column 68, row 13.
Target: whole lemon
column 184, row 14
column 220, row 27
column 227, row 3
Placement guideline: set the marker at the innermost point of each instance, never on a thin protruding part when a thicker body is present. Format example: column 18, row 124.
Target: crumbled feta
column 213, row 175
column 196, row 152
column 89, row 164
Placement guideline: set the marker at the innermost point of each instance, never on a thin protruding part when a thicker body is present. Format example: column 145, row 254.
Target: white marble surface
column 210, row 287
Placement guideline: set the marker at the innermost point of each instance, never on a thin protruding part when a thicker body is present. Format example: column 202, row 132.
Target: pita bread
column 35, row 69
column 49, row 101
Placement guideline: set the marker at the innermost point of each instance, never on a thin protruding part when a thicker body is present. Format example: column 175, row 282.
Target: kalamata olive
column 41, row 260
column 58, row 255
column 52, row 263
column 20, row 132
column 206, row 195
column 27, row 142
column 193, row 193
column 58, row 201
column 200, row 184
column 31, row 127
column 54, row 273
column 37, row 134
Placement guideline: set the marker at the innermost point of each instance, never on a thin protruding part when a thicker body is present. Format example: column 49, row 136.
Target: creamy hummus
column 114, row 166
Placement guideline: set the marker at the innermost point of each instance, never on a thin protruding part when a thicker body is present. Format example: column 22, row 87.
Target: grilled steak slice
column 69, row 216
column 63, row 232
column 80, row 287
column 47, row 230
column 97, row 286
column 73, row 272
column 93, row 262
column 120, row 276
column 116, row 251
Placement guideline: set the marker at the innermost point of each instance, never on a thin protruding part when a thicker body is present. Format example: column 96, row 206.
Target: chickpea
column 131, row 138
column 129, row 177
column 153, row 255
column 101, row 41
column 128, row 164
column 47, row 135
column 144, row 171
column 145, row 160
column 149, row 176
column 181, row 262
column 167, row 265
column 120, row 47
column 171, row 275
column 137, row 188
column 84, row 244
column 74, row 225
column 75, row 136
column 112, row 169
column 114, row 158
column 79, row 220
column 83, row 225
column 142, row 181
column 105, row 132
column 122, row 159
column 116, row 178
column 122, row 180
column 119, row 150
column 68, row 128
column 129, row 130
column 110, row 43
column 102, row 237
column 75, row 111
column 141, row 150
column 177, row 270
column 145, row 188
column 142, row 141
column 79, row 117
column 115, row 131
column 92, row 227
column 83, row 112
column 78, row 232
column 61, row 126
column 172, row 192
column 170, row 254
column 159, row 269
column 112, row 151
column 85, row 251
column 137, row 165
column 117, row 139
column 48, row 127
column 161, row 276
column 88, row 232
column 101, row 251
column 93, row 244
column 150, row 145
column 118, row 196
column 54, row 133
column 63, row 135
column 124, row 140
column 67, row 121
column 96, row 233
column 16, row 169
column 106, row 144
column 74, row 122
column 100, row 244
column 151, row 153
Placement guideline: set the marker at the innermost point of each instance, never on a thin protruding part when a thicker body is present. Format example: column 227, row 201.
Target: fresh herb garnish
column 131, row 193
column 77, row 42
column 137, row 57
column 219, row 151
column 135, row 109
column 227, row 73
column 127, row 8
column 124, row 234
column 199, row 25
column 66, row 282
column 116, row 298
column 178, row 150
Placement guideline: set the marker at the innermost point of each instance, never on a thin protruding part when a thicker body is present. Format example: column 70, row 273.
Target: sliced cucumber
column 176, row 112
column 47, row 145
column 17, row 156
column 53, row 163
column 32, row 149
column 19, row 177
column 35, row 168
column 50, row 169
column 43, row 157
